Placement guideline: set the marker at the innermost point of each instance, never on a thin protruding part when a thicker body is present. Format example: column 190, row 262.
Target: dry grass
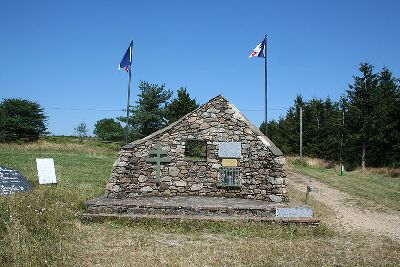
column 152, row 243
column 113, row 244
column 42, row 228
column 392, row 172
column 63, row 147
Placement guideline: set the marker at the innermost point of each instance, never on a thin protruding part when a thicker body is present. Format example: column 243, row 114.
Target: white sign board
column 296, row 212
column 230, row 150
column 46, row 171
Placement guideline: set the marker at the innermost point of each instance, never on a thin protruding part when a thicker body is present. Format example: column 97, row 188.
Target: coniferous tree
column 331, row 130
column 364, row 123
column 285, row 134
column 312, row 119
column 275, row 133
column 385, row 120
column 149, row 115
column 180, row 106
column 361, row 96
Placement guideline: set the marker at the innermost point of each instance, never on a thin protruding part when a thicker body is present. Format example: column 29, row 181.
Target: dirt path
column 349, row 217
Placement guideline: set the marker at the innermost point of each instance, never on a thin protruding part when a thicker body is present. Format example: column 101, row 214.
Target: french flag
column 126, row 61
column 259, row 50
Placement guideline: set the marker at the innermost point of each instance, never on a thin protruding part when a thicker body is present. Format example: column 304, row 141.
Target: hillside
column 43, row 227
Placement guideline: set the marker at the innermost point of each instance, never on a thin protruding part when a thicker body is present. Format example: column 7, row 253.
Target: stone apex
column 237, row 114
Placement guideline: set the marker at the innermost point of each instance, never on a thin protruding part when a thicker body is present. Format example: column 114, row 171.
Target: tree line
column 25, row 121
column 153, row 111
column 362, row 128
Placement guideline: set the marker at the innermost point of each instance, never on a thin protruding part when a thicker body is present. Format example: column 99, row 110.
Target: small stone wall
column 261, row 163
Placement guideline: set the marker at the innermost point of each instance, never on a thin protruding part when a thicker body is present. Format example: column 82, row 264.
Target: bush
column 109, row 130
column 21, row 120
column 300, row 162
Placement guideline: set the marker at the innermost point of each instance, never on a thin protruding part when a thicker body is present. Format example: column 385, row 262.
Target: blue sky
column 64, row 54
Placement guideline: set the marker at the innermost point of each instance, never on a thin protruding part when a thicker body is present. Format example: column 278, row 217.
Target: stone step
column 218, row 218
column 194, row 208
column 178, row 206
column 179, row 210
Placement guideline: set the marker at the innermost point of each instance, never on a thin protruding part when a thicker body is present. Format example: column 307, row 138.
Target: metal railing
column 230, row 176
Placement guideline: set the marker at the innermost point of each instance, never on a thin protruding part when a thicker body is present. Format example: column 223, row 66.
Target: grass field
column 371, row 189
column 42, row 228
column 35, row 227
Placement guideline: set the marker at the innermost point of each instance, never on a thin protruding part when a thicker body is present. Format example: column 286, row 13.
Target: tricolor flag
column 126, row 61
column 259, row 51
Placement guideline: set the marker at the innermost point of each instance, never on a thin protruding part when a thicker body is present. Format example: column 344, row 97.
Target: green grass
column 375, row 189
column 43, row 227
column 36, row 226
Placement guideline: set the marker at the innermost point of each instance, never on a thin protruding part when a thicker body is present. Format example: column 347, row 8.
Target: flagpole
column 127, row 107
column 266, row 85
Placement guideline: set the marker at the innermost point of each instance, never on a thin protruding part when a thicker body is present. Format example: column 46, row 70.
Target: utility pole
column 301, row 132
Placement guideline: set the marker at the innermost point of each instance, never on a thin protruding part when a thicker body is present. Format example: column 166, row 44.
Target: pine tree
column 330, row 130
column 361, row 96
column 149, row 115
column 363, row 125
column 385, row 117
column 180, row 106
column 312, row 120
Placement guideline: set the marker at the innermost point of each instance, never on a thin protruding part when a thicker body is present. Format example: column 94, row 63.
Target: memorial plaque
column 229, row 162
column 46, row 171
column 12, row 181
column 230, row 150
column 297, row 212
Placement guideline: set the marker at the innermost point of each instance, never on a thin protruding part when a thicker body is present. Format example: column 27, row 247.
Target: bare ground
column 347, row 215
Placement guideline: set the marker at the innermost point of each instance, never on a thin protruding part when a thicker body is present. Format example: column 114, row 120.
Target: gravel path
column 347, row 215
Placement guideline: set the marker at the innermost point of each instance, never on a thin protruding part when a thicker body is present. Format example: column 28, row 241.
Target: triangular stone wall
column 260, row 163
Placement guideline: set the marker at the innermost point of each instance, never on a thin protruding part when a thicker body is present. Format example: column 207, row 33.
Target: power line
column 123, row 109
column 263, row 109
column 87, row 109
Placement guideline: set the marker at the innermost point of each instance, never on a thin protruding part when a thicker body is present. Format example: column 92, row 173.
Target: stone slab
column 192, row 207
column 101, row 216
column 189, row 201
column 294, row 212
column 230, row 150
column 12, row 181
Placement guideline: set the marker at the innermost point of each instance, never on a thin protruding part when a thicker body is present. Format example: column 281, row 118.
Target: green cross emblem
column 158, row 156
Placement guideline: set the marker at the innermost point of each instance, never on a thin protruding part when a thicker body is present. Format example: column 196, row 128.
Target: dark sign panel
column 12, row 181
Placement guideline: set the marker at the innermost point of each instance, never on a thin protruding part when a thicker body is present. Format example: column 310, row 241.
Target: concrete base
column 191, row 208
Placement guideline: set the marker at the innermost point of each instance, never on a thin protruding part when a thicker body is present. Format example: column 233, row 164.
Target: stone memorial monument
column 237, row 160
column 212, row 163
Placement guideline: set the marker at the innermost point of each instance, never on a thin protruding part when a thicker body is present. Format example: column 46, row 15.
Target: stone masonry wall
column 262, row 172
